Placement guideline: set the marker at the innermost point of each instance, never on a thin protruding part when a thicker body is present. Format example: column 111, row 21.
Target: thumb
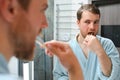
column 56, row 47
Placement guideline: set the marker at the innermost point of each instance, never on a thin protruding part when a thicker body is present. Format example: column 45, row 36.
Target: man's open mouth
column 91, row 33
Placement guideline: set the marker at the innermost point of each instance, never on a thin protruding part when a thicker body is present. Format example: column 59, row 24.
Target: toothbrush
column 40, row 42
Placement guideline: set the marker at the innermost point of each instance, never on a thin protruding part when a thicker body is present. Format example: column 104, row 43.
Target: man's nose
column 44, row 22
column 92, row 26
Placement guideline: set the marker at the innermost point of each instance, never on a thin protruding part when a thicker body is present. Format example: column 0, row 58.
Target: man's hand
column 93, row 44
column 67, row 58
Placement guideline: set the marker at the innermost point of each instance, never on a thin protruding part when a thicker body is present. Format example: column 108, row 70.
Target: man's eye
column 96, row 22
column 88, row 22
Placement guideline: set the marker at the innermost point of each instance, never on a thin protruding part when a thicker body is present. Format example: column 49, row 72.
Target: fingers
column 55, row 43
column 88, row 38
column 55, row 47
column 49, row 53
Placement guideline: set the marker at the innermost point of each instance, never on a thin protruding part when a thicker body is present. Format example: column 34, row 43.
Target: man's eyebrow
column 45, row 6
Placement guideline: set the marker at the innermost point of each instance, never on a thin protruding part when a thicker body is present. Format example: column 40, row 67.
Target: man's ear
column 7, row 9
column 78, row 21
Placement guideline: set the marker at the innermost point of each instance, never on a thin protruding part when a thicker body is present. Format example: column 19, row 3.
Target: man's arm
column 105, row 63
column 94, row 45
column 59, row 72
column 75, row 73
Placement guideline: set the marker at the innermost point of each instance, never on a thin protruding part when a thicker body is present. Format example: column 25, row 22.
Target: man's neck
column 6, row 48
column 80, row 39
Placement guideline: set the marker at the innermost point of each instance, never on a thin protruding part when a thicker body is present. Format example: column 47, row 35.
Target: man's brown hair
column 24, row 3
column 87, row 7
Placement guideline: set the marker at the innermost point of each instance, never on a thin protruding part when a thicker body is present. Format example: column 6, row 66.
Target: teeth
column 90, row 33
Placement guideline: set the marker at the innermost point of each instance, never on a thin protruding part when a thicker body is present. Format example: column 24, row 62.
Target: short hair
column 24, row 3
column 87, row 7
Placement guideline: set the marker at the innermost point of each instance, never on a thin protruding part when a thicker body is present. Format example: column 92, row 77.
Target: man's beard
column 23, row 38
